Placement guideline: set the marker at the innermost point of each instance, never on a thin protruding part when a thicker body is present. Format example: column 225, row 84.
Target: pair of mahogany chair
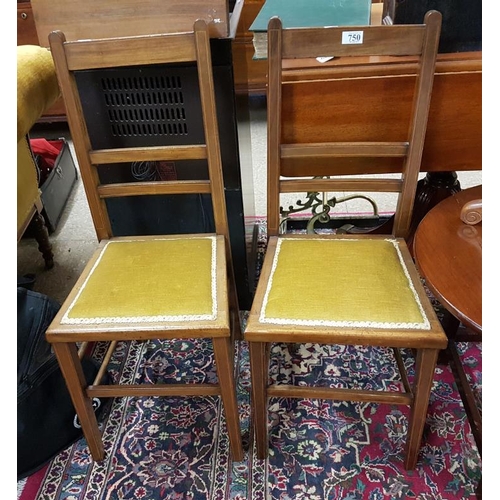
column 140, row 288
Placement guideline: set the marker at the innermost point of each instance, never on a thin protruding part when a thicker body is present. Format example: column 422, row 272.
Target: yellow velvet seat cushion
column 37, row 87
column 341, row 283
column 161, row 279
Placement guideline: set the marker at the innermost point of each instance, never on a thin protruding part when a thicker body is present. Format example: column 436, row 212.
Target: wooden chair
column 140, row 288
column 375, row 296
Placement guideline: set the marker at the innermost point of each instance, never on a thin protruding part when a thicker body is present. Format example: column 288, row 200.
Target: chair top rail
column 128, row 51
column 394, row 40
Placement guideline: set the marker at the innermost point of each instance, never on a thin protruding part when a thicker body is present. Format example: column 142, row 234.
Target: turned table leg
column 41, row 235
column 433, row 188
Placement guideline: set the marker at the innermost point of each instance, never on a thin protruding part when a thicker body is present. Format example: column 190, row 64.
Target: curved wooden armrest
column 472, row 212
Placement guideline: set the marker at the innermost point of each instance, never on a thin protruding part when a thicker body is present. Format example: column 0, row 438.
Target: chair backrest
column 149, row 124
column 291, row 166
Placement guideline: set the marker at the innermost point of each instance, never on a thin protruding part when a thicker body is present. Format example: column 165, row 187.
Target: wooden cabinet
column 26, row 29
column 27, row 35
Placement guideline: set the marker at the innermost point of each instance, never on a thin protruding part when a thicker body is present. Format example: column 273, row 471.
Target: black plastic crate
column 58, row 185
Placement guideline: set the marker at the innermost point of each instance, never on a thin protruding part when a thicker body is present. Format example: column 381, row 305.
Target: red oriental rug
column 172, row 448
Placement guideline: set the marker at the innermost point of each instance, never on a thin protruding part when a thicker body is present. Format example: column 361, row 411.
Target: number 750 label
column 352, row 37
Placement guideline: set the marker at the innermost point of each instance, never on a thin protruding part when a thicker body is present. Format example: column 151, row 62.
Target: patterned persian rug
column 173, row 448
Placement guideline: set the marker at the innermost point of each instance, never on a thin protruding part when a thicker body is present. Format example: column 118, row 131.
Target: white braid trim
column 424, row 325
column 147, row 319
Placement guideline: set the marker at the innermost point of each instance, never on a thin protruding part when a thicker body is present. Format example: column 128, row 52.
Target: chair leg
column 71, row 368
column 259, row 367
column 424, row 376
column 224, row 360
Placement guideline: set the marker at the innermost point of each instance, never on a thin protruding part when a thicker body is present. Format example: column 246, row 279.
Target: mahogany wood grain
column 472, row 212
column 114, row 52
column 259, row 361
column 448, row 254
column 382, row 87
column 27, row 35
column 26, row 29
column 345, row 184
column 249, row 73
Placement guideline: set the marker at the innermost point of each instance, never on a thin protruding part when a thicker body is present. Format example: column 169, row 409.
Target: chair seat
column 312, row 283
column 147, row 281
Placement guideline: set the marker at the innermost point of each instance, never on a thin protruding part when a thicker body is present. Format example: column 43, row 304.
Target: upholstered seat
column 383, row 297
column 181, row 271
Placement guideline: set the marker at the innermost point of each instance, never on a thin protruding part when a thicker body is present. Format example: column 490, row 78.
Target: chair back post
column 418, row 125
column 212, row 141
column 81, row 140
column 274, row 55
column 211, row 127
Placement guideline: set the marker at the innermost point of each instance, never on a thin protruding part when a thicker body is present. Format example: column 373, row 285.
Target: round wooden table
column 448, row 254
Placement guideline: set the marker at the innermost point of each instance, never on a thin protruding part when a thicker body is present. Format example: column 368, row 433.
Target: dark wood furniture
column 448, row 254
column 454, row 133
column 162, row 286
column 453, row 139
column 352, row 271
column 27, row 35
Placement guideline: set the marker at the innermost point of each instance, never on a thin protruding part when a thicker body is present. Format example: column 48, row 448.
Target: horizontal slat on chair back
column 116, row 52
column 377, row 40
column 194, row 152
column 346, row 184
column 119, row 189
column 314, row 159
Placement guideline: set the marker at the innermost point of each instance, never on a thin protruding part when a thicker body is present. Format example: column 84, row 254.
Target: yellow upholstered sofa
column 37, row 90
